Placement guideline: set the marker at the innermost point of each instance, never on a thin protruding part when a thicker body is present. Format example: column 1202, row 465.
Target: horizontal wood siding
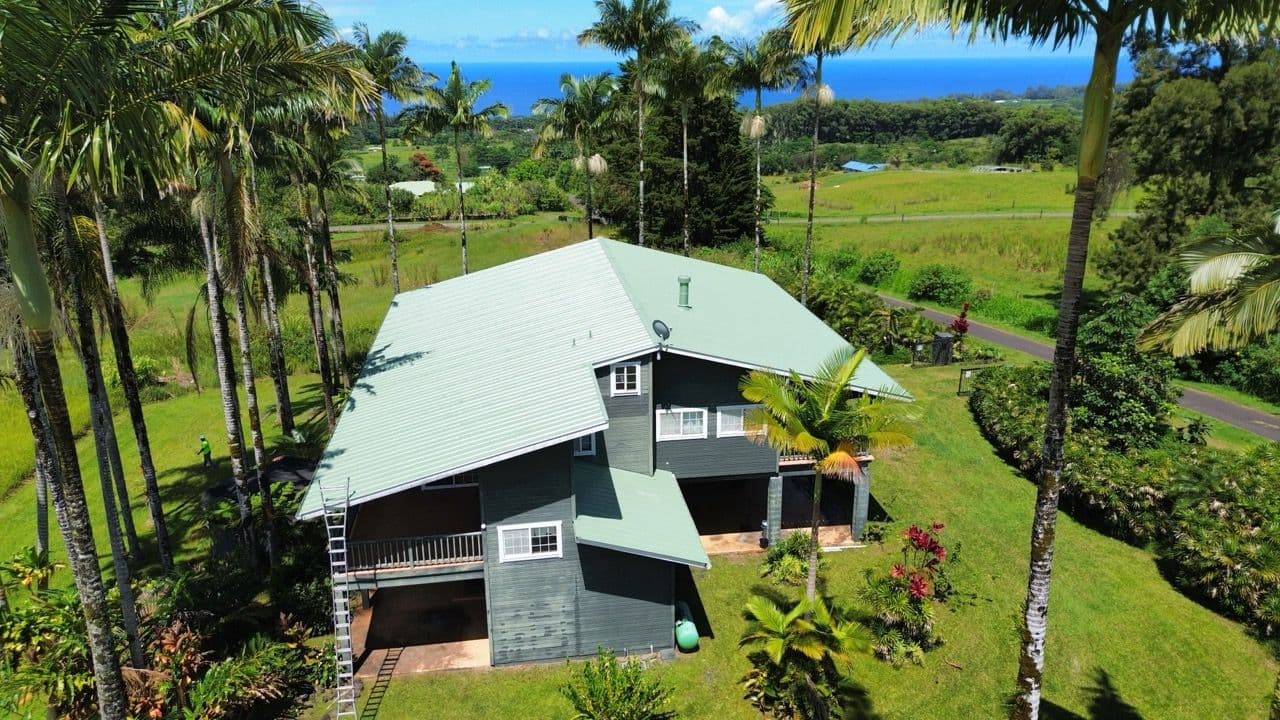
column 532, row 603
column 624, row 602
column 559, row 607
column 688, row 382
column 627, row 443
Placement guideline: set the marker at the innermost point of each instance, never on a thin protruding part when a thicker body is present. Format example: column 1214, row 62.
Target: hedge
column 1211, row 516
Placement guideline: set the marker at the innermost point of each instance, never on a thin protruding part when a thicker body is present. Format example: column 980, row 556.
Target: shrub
column 843, row 261
column 878, row 267
column 1124, row 394
column 787, row 561
column 604, row 689
column 902, row 600
column 1212, row 516
column 945, row 284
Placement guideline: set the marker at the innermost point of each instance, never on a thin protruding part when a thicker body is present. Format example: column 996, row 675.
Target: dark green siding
column 688, row 382
column 557, row 607
column 628, row 443
column 531, row 603
column 624, row 602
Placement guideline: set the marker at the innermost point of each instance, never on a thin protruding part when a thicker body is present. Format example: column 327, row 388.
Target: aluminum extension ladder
column 334, row 499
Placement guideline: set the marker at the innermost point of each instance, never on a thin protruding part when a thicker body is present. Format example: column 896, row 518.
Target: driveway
column 1261, row 423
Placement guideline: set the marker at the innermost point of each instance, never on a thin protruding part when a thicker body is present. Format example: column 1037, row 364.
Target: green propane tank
column 686, row 631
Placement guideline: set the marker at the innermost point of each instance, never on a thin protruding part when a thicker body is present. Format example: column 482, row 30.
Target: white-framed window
column 735, row 421
column 585, row 445
column 682, row 424
column 624, row 378
column 530, row 541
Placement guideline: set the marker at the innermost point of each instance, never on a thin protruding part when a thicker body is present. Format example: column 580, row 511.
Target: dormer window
column 625, row 378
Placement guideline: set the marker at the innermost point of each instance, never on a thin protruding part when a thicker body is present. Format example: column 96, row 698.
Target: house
column 856, row 166
column 544, row 442
column 422, row 187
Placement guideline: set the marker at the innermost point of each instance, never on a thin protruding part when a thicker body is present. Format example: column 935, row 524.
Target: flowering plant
column 902, row 602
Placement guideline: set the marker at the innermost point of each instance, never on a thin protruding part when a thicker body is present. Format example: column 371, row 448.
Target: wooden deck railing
column 419, row 551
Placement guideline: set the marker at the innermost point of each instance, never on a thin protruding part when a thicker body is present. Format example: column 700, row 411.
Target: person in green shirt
column 206, row 451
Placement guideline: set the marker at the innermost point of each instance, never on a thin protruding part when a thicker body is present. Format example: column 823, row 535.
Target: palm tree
column 769, row 63
column 400, row 77
column 581, row 115
column 690, row 75
column 646, row 28
column 801, row 657
column 114, row 312
column 822, row 418
column 1232, row 297
column 456, row 112
column 1059, row 22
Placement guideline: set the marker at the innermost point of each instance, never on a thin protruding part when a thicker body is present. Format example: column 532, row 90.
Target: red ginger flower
column 898, row 570
column 918, row 587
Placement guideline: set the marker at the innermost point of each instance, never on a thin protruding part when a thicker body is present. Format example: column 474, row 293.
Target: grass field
column 916, row 192
column 1118, row 632
column 1118, row 628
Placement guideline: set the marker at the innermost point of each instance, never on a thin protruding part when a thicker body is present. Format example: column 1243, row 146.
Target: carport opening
column 439, row 626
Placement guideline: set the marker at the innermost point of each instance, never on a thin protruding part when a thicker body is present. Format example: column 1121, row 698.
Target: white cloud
column 721, row 22
column 751, row 19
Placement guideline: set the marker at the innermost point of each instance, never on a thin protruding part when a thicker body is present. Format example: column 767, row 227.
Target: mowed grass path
column 916, row 192
column 1119, row 632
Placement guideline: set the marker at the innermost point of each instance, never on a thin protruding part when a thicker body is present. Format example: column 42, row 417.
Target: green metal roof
column 634, row 513
column 734, row 316
column 498, row 363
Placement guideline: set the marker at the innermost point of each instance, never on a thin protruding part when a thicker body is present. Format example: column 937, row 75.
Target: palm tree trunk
column 811, row 586
column 112, row 446
column 38, row 421
column 684, row 139
column 317, row 324
column 462, row 200
column 1093, row 145
column 331, row 282
column 35, row 305
column 275, row 347
column 813, row 181
column 640, row 136
column 100, row 414
column 255, row 424
column 132, row 396
column 756, row 266
column 386, row 189
column 226, row 371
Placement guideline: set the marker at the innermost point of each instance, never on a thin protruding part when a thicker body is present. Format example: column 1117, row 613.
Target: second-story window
column 625, row 378
column 736, row 421
column 585, row 445
column 682, row 424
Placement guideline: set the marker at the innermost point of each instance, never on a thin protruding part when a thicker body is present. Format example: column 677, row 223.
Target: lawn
column 917, row 192
column 1118, row 632
column 174, row 427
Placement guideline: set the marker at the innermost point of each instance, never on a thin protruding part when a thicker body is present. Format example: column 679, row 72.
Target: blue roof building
column 856, row 166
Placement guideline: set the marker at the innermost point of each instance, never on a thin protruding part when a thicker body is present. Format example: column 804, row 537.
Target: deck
column 388, row 546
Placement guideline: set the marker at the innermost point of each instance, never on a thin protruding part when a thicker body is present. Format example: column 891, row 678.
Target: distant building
column 857, row 166
column 998, row 169
column 422, row 187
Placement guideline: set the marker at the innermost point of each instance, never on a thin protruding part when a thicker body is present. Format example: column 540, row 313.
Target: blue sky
column 546, row 30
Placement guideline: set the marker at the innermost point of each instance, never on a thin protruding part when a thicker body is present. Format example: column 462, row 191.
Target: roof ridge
column 605, row 244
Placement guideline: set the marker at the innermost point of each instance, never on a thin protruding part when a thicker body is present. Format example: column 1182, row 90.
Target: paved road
column 1245, row 418
column 821, row 220
column 925, row 217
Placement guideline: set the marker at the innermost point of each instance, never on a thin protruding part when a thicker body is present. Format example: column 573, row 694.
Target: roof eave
column 645, row 553
column 303, row 514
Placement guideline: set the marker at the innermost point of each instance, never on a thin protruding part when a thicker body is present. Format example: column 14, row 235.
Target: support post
column 861, row 498
column 773, row 510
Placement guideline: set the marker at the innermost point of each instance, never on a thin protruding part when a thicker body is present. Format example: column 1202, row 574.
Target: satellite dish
column 661, row 330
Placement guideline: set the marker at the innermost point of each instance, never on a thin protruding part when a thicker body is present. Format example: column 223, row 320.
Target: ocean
column 520, row 84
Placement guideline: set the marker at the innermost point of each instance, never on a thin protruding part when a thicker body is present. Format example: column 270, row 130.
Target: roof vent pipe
column 684, row 291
